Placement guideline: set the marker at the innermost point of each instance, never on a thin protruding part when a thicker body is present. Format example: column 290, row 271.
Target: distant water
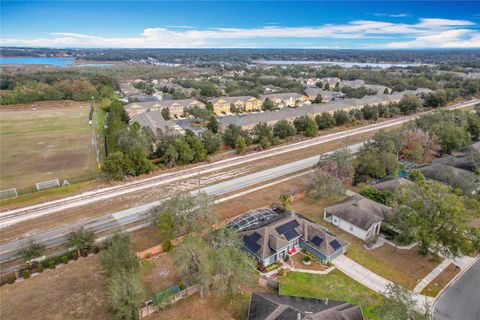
column 52, row 61
column 339, row 63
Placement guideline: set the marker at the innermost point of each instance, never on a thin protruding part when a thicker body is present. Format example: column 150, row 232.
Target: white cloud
column 392, row 15
column 428, row 32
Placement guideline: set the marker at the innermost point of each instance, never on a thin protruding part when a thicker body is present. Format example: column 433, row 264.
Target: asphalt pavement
column 461, row 300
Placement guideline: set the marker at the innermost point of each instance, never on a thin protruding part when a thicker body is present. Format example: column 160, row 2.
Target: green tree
column 381, row 196
column 125, row 295
column 433, row 215
column 240, row 145
column 283, row 129
column 311, row 129
column 416, row 176
column 117, row 166
column 341, row 117
column 324, row 120
column 338, row 164
column 318, row 98
column 232, row 133
column 386, row 91
column 170, row 157
column 80, row 239
column 119, row 255
column 185, row 154
column 212, row 124
column 409, row 104
column 166, row 114
column 268, row 105
column 199, row 150
column 32, row 250
column 322, row 185
column 402, row 305
column 188, row 212
column 209, row 106
column 285, row 201
column 211, row 141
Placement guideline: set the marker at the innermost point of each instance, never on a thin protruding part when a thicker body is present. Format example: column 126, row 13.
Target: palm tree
column 32, row 250
column 81, row 239
column 285, row 200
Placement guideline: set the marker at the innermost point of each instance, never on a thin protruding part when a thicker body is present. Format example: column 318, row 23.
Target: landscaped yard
column 52, row 142
column 298, row 263
column 334, row 286
column 405, row 267
column 441, row 281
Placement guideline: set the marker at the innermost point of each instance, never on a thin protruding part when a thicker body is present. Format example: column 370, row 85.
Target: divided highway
column 11, row 217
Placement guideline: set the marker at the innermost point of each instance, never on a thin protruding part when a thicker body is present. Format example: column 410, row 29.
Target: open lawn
column 73, row 291
column 52, row 142
column 334, row 286
column 405, row 267
column 158, row 274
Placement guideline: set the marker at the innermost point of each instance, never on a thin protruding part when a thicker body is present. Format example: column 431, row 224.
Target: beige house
column 282, row 100
column 244, row 103
column 175, row 107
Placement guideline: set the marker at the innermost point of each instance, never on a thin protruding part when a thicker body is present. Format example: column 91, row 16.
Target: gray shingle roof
column 391, row 183
column 360, row 211
column 153, row 120
column 274, row 306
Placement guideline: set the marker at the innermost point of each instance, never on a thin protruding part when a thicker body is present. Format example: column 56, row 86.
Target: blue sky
column 253, row 24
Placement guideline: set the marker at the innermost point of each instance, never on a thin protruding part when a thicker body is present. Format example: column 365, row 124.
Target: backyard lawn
column 54, row 141
column 405, row 267
column 334, row 286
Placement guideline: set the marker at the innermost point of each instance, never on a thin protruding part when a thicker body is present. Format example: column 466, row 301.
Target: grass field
column 52, row 142
column 334, row 286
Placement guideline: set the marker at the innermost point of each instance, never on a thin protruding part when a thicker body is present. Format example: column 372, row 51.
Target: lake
column 339, row 63
column 52, row 61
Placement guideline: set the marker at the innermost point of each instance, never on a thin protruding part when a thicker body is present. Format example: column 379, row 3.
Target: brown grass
column 73, row 291
column 441, row 281
column 159, row 273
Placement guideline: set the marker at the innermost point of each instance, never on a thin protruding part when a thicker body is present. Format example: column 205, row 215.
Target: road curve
column 11, row 217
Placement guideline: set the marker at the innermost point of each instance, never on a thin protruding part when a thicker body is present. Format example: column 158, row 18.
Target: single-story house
column 272, row 240
column 155, row 121
column 275, row 306
column 465, row 162
column 391, row 184
column 244, row 103
column 465, row 180
column 291, row 99
column 359, row 216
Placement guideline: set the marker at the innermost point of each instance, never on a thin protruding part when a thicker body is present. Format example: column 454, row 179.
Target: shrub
column 307, row 259
column 11, row 279
column 149, row 255
column 287, row 258
column 26, row 274
column 182, row 286
column 84, row 253
column 51, row 264
column 65, row 259
column 96, row 249
column 167, row 246
column 304, row 250
column 281, row 272
column 75, row 256
column 40, row 268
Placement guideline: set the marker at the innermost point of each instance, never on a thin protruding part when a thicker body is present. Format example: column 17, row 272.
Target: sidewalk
column 370, row 279
column 432, row 275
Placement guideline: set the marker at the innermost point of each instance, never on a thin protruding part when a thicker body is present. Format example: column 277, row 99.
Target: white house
column 359, row 216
